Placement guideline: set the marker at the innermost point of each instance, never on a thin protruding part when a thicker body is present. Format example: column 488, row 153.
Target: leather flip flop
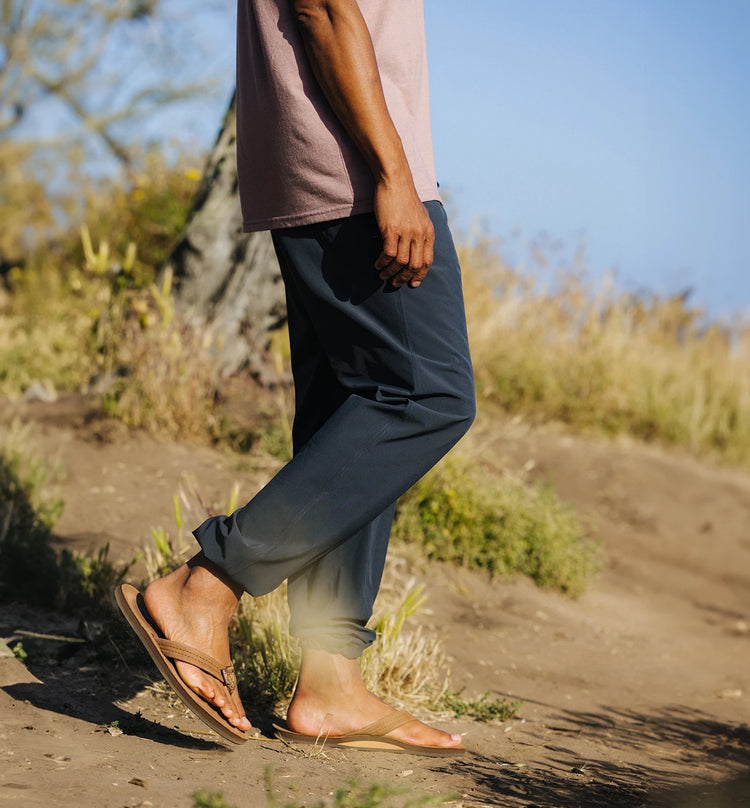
column 165, row 652
column 372, row 738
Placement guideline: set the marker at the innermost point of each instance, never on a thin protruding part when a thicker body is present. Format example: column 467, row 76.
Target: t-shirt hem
column 324, row 215
column 300, row 219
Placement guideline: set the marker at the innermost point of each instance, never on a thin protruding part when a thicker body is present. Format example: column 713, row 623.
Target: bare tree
column 228, row 281
column 73, row 52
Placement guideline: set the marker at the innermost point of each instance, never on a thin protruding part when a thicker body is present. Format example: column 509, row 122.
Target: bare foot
column 331, row 699
column 193, row 605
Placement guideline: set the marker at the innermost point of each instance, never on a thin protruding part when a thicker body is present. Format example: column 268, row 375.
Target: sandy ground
column 637, row 694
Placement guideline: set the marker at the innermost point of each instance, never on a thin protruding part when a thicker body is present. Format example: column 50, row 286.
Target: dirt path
column 636, row 694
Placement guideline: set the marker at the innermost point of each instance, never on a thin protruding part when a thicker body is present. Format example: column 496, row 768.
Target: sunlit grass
column 565, row 348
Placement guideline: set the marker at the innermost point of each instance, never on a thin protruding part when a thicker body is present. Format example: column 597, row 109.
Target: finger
column 416, row 256
column 403, row 251
column 387, row 266
column 389, row 251
column 421, row 273
column 405, row 276
column 383, row 261
column 418, row 277
column 429, row 253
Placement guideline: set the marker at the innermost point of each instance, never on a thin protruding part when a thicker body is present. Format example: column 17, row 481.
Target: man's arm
column 342, row 57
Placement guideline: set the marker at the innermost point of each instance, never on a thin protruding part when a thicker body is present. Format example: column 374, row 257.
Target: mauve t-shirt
column 296, row 162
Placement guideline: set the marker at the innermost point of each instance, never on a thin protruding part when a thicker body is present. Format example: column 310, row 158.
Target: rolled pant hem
column 349, row 647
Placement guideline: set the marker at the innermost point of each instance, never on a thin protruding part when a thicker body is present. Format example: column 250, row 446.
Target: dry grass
column 45, row 332
column 82, row 312
column 567, row 349
column 406, row 666
column 165, row 384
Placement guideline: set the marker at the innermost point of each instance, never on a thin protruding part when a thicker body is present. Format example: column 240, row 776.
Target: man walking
column 335, row 158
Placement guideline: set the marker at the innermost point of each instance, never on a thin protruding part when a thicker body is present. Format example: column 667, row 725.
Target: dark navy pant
column 384, row 388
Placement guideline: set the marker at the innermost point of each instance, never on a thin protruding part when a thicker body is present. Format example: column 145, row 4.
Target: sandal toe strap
column 386, row 724
column 208, row 664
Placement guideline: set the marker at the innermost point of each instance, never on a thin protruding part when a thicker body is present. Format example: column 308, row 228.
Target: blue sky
column 623, row 124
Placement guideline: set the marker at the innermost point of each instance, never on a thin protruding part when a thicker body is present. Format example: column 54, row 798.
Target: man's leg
column 402, row 356
column 331, row 600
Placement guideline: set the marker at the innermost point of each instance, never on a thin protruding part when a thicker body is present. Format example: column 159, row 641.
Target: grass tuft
column 28, row 564
column 406, row 668
column 164, row 382
column 481, row 709
column 209, row 799
column 266, row 657
column 87, row 582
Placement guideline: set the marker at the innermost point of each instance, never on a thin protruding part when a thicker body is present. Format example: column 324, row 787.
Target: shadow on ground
column 80, row 678
column 572, row 766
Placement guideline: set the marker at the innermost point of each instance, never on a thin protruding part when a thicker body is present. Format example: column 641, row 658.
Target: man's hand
column 408, row 234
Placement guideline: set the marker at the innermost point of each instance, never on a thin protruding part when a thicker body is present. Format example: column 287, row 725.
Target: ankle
column 204, row 573
column 326, row 677
column 196, row 584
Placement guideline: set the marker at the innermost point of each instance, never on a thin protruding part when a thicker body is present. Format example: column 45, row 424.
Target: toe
column 417, row 732
column 199, row 683
column 244, row 724
column 240, row 720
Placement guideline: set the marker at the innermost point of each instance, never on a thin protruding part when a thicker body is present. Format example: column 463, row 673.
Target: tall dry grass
column 569, row 349
column 166, row 384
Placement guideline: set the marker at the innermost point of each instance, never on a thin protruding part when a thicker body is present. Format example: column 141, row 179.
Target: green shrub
column 505, row 527
column 87, row 582
column 36, row 476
